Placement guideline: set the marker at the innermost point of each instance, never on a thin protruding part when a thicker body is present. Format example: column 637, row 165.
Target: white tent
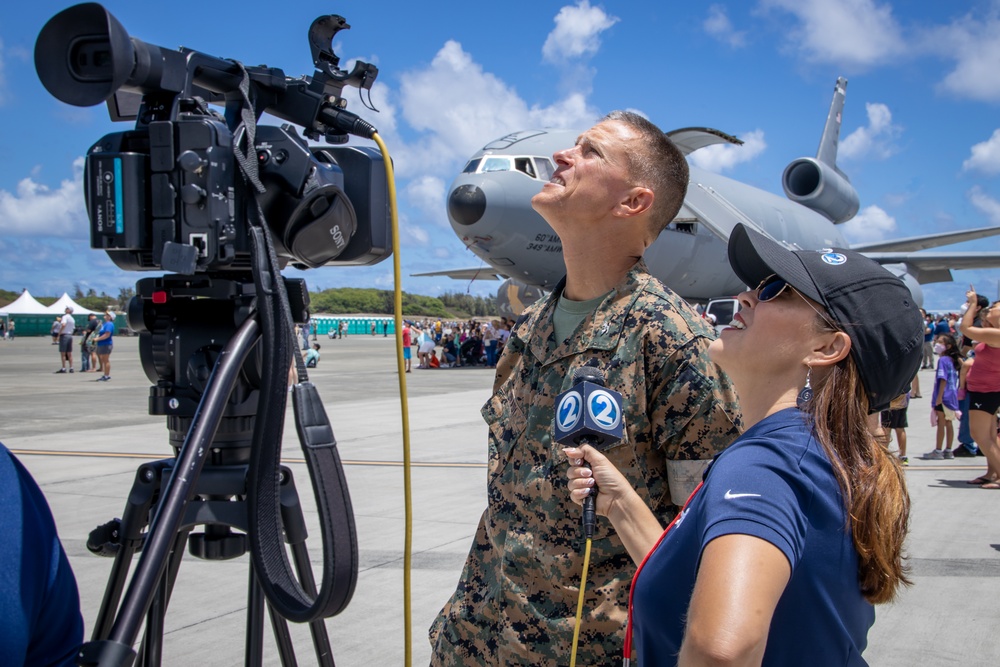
column 24, row 305
column 65, row 301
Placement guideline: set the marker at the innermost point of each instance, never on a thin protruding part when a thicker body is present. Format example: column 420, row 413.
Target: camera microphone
column 588, row 413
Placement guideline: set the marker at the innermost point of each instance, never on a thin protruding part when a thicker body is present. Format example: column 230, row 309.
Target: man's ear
column 830, row 348
column 637, row 200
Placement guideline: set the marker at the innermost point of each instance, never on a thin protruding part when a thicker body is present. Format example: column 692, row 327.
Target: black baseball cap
column 872, row 305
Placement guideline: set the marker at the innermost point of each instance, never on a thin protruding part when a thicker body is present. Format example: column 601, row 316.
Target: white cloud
column 869, row 225
column 427, row 193
column 973, row 42
column 721, row 28
column 577, row 32
column 873, row 139
column 985, row 156
column 410, row 233
column 985, row 203
column 847, row 33
column 720, row 157
column 38, row 211
column 457, row 108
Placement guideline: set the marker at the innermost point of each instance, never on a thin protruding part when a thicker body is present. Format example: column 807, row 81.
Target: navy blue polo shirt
column 776, row 483
column 40, row 621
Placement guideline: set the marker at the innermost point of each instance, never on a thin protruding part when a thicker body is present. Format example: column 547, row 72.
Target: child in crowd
column 894, row 420
column 944, row 401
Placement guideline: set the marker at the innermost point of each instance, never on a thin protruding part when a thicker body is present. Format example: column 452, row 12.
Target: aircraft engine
column 513, row 297
column 822, row 188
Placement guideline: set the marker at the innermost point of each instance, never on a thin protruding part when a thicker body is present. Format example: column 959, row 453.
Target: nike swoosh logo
column 730, row 495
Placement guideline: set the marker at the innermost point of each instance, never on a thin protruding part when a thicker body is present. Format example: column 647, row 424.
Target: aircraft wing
column 690, row 139
column 914, row 243
column 478, row 273
column 935, row 267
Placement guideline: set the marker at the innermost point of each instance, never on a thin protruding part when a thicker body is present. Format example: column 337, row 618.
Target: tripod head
column 183, row 324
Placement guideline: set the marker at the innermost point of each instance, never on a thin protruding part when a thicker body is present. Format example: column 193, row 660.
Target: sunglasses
column 772, row 286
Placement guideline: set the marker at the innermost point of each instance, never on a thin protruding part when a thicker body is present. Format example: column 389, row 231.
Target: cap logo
column 834, row 258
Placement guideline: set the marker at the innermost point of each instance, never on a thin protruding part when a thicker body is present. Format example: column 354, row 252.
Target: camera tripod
column 220, row 406
column 219, row 506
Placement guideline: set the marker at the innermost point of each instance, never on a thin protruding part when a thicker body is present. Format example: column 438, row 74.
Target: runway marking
column 396, row 464
column 131, row 455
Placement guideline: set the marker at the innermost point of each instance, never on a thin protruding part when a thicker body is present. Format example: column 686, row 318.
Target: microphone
column 589, row 414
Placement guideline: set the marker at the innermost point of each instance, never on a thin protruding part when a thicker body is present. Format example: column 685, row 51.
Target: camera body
column 171, row 193
column 171, row 197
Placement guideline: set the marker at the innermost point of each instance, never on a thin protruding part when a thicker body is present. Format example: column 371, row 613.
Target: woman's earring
column 806, row 394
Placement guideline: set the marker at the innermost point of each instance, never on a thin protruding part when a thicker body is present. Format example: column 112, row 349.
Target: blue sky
column 920, row 141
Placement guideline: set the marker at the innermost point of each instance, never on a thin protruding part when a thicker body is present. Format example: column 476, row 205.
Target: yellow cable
column 579, row 604
column 397, row 308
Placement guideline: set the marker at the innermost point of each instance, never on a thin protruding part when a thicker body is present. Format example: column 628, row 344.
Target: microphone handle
column 590, row 502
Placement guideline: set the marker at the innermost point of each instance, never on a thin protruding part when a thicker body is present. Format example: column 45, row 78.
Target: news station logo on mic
column 588, row 413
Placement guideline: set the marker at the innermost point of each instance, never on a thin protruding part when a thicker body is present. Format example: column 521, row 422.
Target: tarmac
column 83, row 440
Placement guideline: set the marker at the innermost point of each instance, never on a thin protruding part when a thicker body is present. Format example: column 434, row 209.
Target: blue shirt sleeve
column 40, row 620
column 758, row 488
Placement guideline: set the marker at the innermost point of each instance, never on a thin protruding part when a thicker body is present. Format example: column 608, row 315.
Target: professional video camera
column 167, row 194
column 223, row 205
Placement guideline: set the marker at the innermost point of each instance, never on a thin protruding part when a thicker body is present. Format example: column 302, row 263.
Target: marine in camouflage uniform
column 516, row 600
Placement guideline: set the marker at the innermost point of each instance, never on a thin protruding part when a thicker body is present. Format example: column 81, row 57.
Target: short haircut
column 658, row 165
column 982, row 301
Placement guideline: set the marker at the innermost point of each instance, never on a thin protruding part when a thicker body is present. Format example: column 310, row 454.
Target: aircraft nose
column 467, row 204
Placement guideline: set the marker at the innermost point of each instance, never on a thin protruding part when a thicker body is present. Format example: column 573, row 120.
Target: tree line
column 340, row 300
column 344, row 300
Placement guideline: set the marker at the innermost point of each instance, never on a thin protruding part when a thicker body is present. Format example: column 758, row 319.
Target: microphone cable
column 579, row 602
column 397, row 311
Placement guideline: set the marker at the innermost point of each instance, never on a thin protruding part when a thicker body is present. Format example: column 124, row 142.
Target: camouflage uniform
column 516, row 600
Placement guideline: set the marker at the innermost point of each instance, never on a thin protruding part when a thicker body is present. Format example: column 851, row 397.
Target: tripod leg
column 279, row 626
column 134, row 519
column 254, row 651
column 151, row 648
column 295, row 535
column 171, row 506
column 321, row 640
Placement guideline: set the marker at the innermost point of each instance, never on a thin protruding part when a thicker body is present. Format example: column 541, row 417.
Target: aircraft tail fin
column 827, row 152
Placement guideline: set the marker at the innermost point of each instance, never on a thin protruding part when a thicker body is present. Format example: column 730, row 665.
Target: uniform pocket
column 507, row 423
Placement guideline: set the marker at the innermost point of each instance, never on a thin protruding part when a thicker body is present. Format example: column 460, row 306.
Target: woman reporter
column 798, row 527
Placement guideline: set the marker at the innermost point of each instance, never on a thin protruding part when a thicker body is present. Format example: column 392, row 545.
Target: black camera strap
column 270, row 558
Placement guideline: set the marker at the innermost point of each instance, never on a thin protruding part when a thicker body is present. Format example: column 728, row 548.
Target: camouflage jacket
column 516, row 600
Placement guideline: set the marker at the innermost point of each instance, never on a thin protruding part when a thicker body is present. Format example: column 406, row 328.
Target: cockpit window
column 534, row 167
column 495, row 163
column 523, row 164
column 545, row 168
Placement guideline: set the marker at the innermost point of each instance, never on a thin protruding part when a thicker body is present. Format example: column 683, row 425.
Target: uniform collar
column 601, row 331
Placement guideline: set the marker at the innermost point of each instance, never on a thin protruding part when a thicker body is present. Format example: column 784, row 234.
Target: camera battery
column 116, row 200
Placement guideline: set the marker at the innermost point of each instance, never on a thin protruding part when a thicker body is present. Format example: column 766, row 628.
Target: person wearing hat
column 798, row 527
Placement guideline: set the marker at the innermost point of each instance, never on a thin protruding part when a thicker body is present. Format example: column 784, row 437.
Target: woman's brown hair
column 871, row 480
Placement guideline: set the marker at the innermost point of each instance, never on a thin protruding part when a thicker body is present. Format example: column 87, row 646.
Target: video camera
column 169, row 194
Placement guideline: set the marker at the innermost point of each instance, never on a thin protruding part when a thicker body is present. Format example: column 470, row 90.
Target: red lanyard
column 627, row 653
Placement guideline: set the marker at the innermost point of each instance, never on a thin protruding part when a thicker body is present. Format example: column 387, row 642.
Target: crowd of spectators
column 451, row 344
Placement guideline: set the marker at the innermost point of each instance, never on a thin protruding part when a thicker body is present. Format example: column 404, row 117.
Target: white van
column 722, row 310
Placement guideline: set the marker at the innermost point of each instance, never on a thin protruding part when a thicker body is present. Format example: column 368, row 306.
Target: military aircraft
column 489, row 207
